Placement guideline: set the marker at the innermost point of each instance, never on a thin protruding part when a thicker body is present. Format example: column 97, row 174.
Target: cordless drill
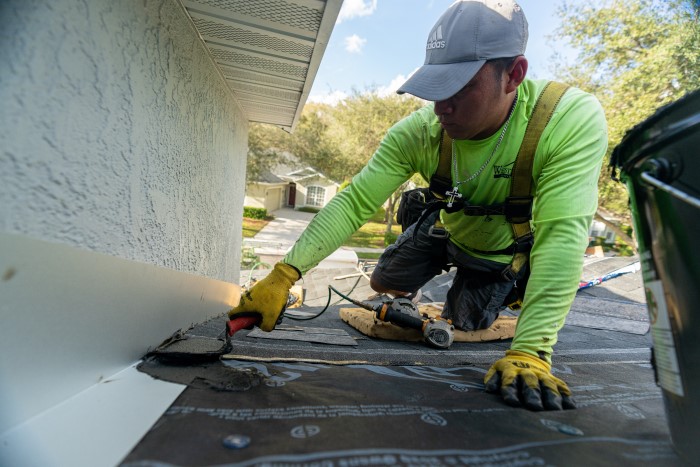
column 437, row 332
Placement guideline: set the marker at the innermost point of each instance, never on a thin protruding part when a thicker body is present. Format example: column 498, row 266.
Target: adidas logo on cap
column 435, row 40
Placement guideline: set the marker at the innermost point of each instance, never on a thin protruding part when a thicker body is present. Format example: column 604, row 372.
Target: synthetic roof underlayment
column 267, row 50
column 281, row 401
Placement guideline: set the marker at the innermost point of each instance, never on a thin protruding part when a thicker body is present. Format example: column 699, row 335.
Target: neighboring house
column 270, row 193
column 599, row 229
column 290, row 186
column 309, row 188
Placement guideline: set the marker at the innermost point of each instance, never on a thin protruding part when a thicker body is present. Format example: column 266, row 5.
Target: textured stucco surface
column 117, row 134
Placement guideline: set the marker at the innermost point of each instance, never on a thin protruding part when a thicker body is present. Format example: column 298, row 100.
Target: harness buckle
column 508, row 274
column 438, row 232
column 518, row 209
column 524, row 243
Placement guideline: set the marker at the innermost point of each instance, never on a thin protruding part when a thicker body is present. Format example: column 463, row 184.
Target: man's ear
column 516, row 73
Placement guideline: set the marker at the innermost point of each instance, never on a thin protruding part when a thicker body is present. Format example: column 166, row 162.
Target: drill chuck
column 438, row 333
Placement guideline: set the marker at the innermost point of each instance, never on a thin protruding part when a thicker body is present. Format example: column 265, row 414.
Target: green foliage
column 635, row 56
column 248, row 257
column 266, row 144
column 337, row 141
column 365, row 117
column 371, row 235
column 309, row 209
column 390, row 238
column 313, row 143
column 377, row 216
column 619, row 247
column 255, row 213
column 622, row 249
column 251, row 227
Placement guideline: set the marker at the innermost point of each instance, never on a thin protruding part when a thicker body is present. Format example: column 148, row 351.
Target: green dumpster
column 659, row 161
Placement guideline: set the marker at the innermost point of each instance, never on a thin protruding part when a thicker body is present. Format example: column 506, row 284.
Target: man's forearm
column 328, row 230
column 556, row 263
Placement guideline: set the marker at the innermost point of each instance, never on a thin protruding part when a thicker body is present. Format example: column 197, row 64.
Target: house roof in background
column 267, row 50
column 283, row 175
column 270, row 178
column 301, row 174
column 290, row 169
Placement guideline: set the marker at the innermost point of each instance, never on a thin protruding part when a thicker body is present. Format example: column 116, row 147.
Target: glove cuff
column 530, row 358
column 288, row 271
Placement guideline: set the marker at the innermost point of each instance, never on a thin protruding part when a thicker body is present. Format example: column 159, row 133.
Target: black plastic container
column 659, row 161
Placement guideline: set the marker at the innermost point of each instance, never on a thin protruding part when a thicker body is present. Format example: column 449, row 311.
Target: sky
column 379, row 43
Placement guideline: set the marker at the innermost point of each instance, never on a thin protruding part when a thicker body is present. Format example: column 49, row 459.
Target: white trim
column 71, row 318
column 330, row 15
column 97, row 427
column 312, row 198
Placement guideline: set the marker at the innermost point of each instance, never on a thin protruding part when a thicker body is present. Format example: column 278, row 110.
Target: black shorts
column 478, row 291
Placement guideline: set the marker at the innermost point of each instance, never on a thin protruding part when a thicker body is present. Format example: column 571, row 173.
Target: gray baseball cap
column 465, row 36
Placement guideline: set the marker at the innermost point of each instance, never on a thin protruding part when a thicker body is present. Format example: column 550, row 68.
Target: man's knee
column 376, row 286
column 381, row 288
column 373, row 284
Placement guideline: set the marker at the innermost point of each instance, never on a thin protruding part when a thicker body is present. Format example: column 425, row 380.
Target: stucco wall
column 117, row 135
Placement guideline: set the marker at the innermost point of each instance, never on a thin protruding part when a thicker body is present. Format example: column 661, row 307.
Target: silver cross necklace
column 454, row 193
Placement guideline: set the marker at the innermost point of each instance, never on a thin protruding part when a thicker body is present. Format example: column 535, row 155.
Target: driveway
column 273, row 241
column 285, row 228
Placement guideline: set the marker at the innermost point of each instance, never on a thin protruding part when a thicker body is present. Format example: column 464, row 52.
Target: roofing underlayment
column 319, row 392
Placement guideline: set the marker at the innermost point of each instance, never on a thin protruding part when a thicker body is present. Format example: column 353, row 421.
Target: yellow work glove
column 268, row 297
column 523, row 379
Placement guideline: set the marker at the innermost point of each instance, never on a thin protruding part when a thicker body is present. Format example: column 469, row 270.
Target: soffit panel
column 268, row 51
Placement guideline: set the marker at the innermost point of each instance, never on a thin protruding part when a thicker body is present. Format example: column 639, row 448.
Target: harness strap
column 521, row 176
column 441, row 181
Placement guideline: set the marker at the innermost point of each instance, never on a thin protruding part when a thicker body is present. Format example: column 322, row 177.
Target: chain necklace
column 454, row 193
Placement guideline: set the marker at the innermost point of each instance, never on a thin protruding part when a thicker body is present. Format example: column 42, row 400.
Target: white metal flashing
column 73, row 317
column 97, row 427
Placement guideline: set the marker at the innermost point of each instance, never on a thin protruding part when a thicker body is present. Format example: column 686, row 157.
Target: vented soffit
column 267, row 50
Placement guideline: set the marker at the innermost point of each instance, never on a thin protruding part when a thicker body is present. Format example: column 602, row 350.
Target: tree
column 314, row 143
column 363, row 119
column 635, row 56
column 310, row 144
column 335, row 140
column 266, row 145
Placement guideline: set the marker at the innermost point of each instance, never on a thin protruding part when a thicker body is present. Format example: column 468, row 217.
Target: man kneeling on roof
column 514, row 205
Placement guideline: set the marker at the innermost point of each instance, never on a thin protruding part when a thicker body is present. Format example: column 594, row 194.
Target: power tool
column 437, row 332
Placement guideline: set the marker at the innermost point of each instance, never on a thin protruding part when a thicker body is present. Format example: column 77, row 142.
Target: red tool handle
column 243, row 322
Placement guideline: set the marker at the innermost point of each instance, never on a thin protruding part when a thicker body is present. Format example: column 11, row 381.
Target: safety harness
column 517, row 207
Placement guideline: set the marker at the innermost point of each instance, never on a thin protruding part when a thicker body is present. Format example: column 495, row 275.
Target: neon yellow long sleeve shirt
column 565, row 175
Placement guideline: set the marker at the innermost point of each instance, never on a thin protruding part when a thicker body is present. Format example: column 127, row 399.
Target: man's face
column 476, row 111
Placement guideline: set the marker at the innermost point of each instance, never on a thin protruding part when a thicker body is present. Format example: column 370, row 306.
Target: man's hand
column 523, row 379
column 268, row 297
